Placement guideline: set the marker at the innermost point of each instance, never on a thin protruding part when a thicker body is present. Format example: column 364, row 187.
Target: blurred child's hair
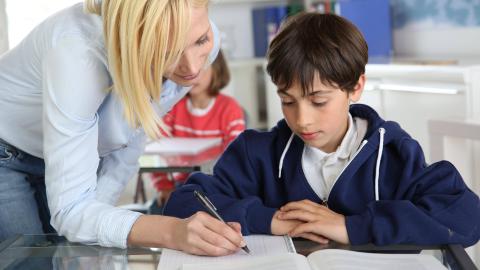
column 220, row 75
column 325, row 44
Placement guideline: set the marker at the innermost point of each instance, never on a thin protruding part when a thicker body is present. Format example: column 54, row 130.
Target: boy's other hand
column 282, row 227
column 315, row 219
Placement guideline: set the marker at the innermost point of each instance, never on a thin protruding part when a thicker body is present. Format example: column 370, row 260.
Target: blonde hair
column 143, row 38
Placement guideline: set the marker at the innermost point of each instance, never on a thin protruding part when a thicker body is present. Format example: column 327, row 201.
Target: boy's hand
column 316, row 219
column 282, row 227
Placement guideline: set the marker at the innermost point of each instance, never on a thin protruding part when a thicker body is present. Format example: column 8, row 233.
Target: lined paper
column 259, row 245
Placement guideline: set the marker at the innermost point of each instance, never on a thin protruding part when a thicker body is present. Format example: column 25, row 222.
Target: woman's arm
column 75, row 85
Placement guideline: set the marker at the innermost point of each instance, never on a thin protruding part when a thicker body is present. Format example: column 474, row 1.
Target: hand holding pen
column 212, row 210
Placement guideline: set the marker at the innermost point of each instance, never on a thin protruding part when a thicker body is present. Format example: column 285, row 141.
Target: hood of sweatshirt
column 379, row 134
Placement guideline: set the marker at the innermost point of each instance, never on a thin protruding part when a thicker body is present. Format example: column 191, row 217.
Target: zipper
column 364, row 142
column 325, row 203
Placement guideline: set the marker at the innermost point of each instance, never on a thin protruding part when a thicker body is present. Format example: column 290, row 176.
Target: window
column 24, row 15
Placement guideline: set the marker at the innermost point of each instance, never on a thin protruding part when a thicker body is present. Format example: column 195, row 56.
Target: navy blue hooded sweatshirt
column 417, row 204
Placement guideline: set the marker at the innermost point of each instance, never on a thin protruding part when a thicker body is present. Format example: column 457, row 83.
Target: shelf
column 417, row 87
column 401, row 68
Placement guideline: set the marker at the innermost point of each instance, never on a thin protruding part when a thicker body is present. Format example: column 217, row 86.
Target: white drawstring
column 377, row 167
column 283, row 156
column 379, row 158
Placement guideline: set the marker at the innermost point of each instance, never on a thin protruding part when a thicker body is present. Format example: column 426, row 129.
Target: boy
column 331, row 171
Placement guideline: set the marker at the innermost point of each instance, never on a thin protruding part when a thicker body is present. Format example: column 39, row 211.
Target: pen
column 212, row 210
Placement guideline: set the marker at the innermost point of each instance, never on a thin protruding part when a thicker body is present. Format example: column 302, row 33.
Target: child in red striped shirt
column 203, row 113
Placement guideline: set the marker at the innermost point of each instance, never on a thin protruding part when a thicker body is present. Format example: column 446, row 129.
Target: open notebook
column 260, row 246
column 181, row 146
column 277, row 253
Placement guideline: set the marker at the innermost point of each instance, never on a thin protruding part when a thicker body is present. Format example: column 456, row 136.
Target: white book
column 181, row 146
column 276, row 254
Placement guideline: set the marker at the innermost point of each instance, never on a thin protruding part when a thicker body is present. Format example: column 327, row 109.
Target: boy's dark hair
column 220, row 75
column 310, row 43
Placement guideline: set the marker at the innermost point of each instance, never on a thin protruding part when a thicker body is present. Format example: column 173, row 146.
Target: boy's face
column 321, row 117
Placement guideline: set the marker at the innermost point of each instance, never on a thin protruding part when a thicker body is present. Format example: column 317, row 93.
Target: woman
column 77, row 96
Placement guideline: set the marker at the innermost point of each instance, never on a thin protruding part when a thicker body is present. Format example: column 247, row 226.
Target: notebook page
column 289, row 261
column 337, row 259
column 259, row 245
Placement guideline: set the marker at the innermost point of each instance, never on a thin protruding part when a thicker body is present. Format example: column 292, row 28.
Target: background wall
column 24, row 15
column 3, row 28
column 436, row 28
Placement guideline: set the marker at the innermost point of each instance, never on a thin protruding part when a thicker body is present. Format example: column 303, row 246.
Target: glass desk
column 55, row 252
column 46, row 252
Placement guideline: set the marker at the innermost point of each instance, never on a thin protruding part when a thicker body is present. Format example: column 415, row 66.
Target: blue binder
column 373, row 18
column 266, row 21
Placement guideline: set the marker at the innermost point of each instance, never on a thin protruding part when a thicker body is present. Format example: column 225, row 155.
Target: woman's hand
column 201, row 234
column 317, row 220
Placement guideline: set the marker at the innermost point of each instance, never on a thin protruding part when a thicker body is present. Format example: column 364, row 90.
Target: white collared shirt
column 323, row 169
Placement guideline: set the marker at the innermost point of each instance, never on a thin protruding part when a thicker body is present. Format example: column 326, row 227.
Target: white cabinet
column 411, row 95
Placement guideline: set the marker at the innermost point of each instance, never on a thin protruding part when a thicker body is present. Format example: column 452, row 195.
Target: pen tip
column 245, row 248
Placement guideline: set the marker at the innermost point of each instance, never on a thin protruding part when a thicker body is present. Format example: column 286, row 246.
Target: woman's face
column 199, row 45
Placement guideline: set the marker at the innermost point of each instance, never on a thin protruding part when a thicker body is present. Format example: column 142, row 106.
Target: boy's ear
column 358, row 89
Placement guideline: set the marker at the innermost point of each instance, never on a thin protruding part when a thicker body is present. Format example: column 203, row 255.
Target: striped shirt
column 222, row 118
